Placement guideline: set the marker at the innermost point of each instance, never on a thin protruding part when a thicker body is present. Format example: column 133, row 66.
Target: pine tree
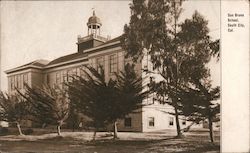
column 106, row 102
column 91, row 95
column 48, row 105
column 200, row 103
column 178, row 51
column 13, row 109
column 129, row 94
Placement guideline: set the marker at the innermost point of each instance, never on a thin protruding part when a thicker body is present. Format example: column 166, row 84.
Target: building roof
column 67, row 58
column 39, row 64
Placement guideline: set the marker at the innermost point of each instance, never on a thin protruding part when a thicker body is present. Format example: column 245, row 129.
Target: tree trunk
column 115, row 130
column 94, row 135
column 178, row 128
column 59, row 129
column 44, row 125
column 188, row 127
column 210, row 125
column 19, row 128
column 60, row 123
column 73, row 127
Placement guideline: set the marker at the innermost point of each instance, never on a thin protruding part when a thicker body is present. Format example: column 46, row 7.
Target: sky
column 32, row 30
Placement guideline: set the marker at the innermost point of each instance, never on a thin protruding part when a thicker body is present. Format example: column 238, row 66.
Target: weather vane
column 93, row 10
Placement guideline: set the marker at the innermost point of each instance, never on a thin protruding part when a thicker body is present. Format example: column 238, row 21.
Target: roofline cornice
column 22, row 68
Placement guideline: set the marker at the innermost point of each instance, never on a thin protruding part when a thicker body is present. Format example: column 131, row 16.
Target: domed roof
column 94, row 20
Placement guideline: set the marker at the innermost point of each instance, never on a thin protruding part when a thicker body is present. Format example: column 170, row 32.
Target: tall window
column 15, row 81
column 151, row 121
column 25, row 78
column 21, row 80
column 112, row 63
column 65, row 77
column 69, row 74
column 57, row 78
column 100, row 63
column 12, row 83
column 18, row 81
column 74, row 73
column 48, row 79
column 127, row 122
column 171, row 121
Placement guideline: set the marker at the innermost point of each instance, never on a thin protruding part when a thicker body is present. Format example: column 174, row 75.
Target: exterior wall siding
column 136, row 123
column 161, row 115
column 18, row 79
column 36, row 79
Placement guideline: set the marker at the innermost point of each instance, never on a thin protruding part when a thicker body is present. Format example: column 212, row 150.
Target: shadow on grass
column 171, row 144
column 208, row 147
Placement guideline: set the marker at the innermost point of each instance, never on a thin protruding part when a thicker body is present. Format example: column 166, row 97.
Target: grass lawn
column 129, row 142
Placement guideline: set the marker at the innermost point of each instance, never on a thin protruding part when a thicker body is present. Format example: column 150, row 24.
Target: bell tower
column 94, row 25
column 94, row 37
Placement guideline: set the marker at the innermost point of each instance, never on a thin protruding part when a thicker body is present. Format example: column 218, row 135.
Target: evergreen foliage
column 199, row 104
column 13, row 109
column 47, row 105
column 179, row 51
column 104, row 102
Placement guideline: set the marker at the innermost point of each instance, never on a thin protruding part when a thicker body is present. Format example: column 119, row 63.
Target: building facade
column 95, row 50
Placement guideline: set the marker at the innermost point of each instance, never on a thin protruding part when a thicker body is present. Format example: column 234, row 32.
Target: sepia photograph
column 138, row 76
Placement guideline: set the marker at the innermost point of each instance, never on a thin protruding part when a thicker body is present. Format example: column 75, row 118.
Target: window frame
column 12, row 83
column 171, row 121
column 58, row 78
column 184, row 122
column 130, row 122
column 25, row 79
column 65, row 76
column 18, row 79
column 150, row 121
column 69, row 75
column 100, row 62
column 113, row 63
